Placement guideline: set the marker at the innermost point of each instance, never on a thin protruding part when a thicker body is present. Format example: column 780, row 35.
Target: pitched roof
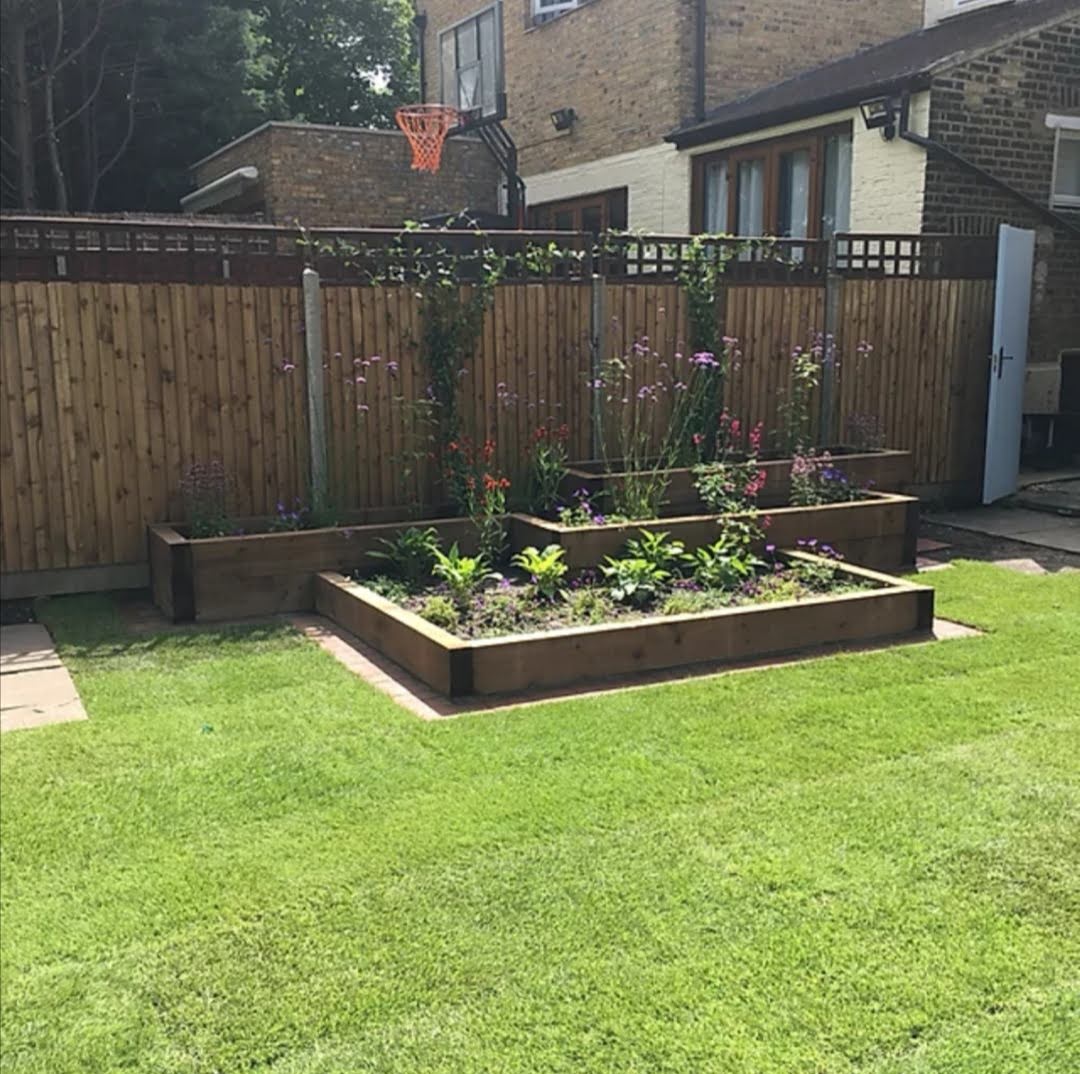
column 906, row 62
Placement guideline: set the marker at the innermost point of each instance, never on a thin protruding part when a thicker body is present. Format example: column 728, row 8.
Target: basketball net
column 426, row 126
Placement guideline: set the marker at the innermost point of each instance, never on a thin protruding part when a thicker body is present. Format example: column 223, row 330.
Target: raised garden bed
column 885, row 469
column 262, row 573
column 879, row 531
column 881, row 607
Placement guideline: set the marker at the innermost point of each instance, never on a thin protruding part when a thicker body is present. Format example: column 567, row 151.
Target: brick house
column 982, row 110
column 631, row 71
column 323, row 175
column 739, row 116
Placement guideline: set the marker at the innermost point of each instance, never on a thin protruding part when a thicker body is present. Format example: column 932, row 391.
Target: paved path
column 1015, row 524
column 35, row 687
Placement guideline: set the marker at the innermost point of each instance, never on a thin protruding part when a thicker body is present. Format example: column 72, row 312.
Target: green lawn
column 247, row 860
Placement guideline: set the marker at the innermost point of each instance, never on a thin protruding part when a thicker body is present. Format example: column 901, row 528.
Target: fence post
column 833, row 283
column 316, row 389
column 597, row 336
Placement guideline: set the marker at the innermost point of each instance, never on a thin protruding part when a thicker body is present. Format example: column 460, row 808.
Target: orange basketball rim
column 426, row 126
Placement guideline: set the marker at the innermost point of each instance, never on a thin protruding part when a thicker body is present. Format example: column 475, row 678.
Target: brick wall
column 753, row 43
column 325, row 176
column 992, row 110
column 625, row 66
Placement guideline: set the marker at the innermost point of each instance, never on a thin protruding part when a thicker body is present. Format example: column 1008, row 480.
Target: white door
column 1012, row 304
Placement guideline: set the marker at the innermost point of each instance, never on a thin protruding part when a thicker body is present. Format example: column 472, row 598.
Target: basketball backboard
column 471, row 66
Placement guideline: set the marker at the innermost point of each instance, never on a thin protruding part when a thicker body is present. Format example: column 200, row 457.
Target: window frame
column 536, row 17
column 604, row 200
column 770, row 150
column 1062, row 133
column 500, row 70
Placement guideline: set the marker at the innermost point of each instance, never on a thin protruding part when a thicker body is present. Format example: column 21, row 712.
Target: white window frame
column 546, row 10
column 500, row 74
column 1064, row 127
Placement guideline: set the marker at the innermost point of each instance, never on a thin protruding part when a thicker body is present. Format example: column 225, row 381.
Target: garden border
column 456, row 667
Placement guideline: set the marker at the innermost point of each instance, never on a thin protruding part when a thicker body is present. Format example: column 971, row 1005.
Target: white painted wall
column 657, row 180
column 936, row 10
column 888, row 179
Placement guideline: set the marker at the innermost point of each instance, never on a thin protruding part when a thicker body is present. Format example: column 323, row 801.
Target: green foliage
column 719, row 566
column 546, row 569
column 688, row 602
column 332, row 61
column 442, row 612
column 819, row 574
column 632, row 580
column 410, row 555
column 796, row 422
column 655, row 548
column 547, row 469
column 589, row 605
column 463, row 575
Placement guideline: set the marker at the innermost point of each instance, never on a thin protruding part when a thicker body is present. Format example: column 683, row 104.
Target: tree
column 333, row 61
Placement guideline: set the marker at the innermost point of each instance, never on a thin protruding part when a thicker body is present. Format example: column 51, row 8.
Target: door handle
column 1001, row 358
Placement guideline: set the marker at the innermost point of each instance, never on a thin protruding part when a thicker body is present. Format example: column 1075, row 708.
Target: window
column 546, row 10
column 593, row 213
column 1065, row 191
column 797, row 187
column 471, row 68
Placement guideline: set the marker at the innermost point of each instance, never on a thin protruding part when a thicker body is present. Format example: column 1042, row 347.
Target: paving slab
column 1015, row 524
column 35, row 687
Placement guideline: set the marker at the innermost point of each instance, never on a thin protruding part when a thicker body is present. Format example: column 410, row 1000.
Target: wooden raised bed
column 886, row 469
column 263, row 573
column 880, row 531
column 455, row 667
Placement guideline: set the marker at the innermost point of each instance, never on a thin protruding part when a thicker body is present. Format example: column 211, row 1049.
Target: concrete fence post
column 316, row 390
column 833, row 286
column 598, row 339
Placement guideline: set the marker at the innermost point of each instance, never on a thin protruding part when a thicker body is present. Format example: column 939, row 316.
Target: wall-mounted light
column 880, row 113
column 562, row 119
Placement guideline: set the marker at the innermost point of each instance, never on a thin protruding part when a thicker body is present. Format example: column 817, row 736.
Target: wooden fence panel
column 110, row 389
column 925, row 380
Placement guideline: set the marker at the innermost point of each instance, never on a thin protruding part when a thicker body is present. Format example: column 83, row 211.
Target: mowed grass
column 247, row 860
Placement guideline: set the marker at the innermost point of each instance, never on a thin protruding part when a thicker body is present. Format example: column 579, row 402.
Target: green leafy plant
column 632, row 580
column 546, row 569
column 441, row 612
column 479, row 491
column 547, row 468
column 719, row 566
column 656, row 549
column 410, row 555
column 589, row 605
column 463, row 575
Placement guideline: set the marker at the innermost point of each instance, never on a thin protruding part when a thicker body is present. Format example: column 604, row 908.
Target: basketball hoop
column 426, row 126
